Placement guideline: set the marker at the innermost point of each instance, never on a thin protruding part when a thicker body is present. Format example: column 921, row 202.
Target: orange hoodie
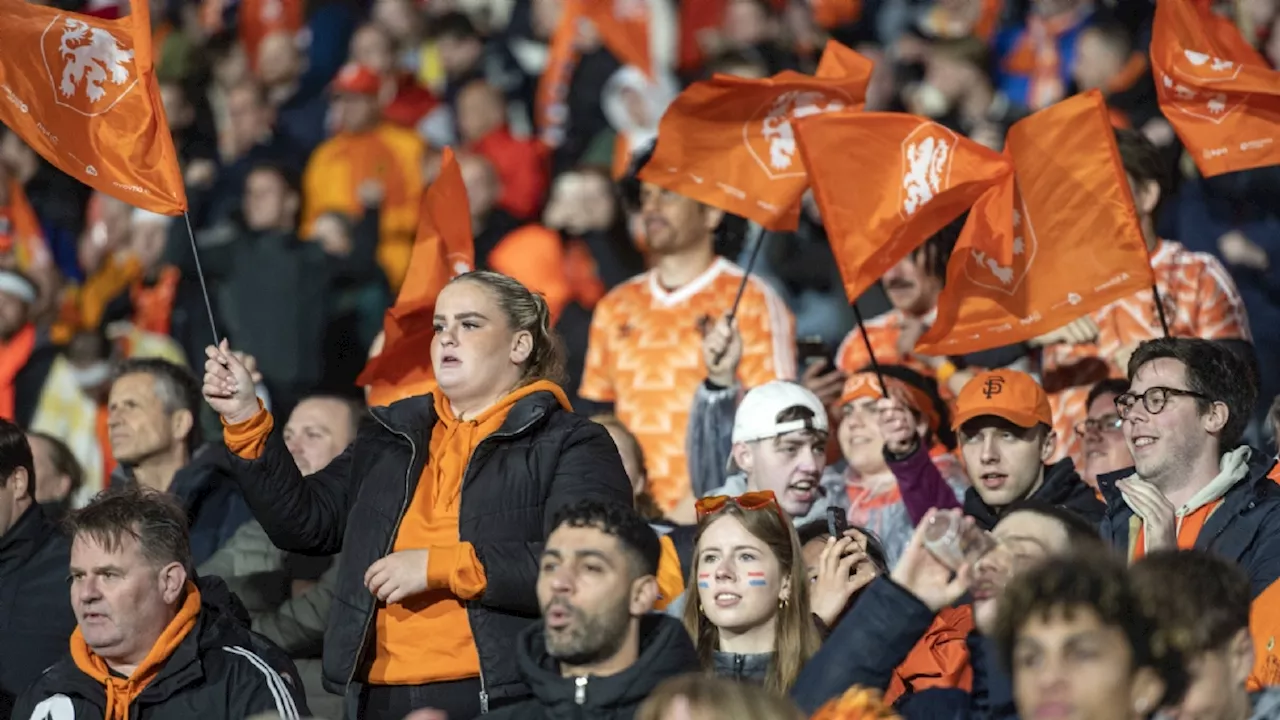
column 454, row 573
column 427, row 638
column 121, row 692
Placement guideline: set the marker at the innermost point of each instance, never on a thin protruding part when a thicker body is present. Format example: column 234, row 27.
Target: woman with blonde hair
column 747, row 603
column 439, row 508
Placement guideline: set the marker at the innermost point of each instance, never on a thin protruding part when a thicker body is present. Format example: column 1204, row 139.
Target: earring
column 782, row 602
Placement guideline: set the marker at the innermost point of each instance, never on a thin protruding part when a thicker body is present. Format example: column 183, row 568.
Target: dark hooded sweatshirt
column 665, row 651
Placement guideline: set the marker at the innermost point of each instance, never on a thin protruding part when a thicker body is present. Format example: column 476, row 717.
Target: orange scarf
column 121, row 692
column 13, row 357
column 153, row 306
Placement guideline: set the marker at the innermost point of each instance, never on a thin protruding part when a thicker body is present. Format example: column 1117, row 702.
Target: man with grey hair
column 151, row 641
column 152, row 427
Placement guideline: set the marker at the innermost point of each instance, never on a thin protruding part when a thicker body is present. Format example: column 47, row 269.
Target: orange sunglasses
column 760, row 500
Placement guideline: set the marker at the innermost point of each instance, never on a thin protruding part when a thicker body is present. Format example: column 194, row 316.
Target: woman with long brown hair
column 440, row 508
column 747, row 603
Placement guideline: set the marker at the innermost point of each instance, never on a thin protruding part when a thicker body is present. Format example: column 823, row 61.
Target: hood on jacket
column 665, row 651
column 1062, row 487
column 655, row 96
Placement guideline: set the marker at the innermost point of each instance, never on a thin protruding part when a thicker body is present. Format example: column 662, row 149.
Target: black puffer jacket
column 219, row 670
column 541, row 459
column 35, row 603
column 1062, row 487
column 665, row 651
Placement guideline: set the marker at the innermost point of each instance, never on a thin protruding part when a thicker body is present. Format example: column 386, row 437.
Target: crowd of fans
column 616, row 499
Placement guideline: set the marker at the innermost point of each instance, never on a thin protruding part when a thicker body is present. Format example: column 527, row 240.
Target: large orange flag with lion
column 728, row 142
column 1053, row 242
column 914, row 177
column 442, row 250
column 82, row 92
column 1220, row 95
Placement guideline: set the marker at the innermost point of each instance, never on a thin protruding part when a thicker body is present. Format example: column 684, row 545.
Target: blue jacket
column 1244, row 529
column 215, row 508
column 876, row 637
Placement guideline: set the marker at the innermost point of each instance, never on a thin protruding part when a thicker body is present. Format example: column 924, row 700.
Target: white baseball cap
column 757, row 416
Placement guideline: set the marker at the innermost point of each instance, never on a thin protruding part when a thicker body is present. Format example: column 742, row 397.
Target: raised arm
column 304, row 516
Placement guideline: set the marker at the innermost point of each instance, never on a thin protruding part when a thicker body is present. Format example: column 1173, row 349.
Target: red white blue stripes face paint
column 756, row 579
column 704, row 580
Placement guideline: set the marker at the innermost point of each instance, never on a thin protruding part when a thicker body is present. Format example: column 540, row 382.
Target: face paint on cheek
column 704, row 580
column 756, row 579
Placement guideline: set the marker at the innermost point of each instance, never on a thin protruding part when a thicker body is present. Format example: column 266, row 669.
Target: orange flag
column 914, row 177
column 624, row 29
column 1219, row 94
column 82, row 92
column 1054, row 242
column 728, row 142
column 442, row 250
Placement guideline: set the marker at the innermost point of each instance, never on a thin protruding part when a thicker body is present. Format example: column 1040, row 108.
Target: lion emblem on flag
column 91, row 56
column 927, row 156
column 770, row 137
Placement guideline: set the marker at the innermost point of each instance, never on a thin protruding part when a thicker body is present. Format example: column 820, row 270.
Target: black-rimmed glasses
column 1154, row 399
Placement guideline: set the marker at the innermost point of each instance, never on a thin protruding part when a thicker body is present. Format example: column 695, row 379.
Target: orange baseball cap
column 356, row 79
column 1009, row 394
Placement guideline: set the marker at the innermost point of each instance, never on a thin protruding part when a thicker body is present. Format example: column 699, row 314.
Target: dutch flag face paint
column 756, row 579
column 704, row 580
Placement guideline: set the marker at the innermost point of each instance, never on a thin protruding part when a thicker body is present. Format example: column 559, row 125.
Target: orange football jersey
column 645, row 356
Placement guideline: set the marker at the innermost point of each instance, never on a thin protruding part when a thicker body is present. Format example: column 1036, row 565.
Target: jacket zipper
column 580, row 690
column 404, row 507
column 484, row 691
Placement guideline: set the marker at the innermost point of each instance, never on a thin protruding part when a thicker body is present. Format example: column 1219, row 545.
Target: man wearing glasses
column 1100, row 434
column 1194, row 484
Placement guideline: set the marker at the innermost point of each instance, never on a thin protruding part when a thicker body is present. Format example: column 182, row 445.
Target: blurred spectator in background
column 253, row 137
column 1035, row 60
column 154, row 436
column 1107, row 60
column 26, row 355
column 482, row 129
column 300, row 112
column 58, row 476
column 276, row 293
column 366, row 149
column 404, row 101
column 37, row 619
column 1105, row 450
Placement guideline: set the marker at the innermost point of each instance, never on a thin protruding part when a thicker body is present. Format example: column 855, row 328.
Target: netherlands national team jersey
column 645, row 357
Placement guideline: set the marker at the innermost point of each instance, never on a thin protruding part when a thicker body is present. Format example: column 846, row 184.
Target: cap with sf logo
column 1009, row 394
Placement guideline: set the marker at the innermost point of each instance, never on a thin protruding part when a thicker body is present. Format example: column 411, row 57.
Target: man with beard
column 598, row 651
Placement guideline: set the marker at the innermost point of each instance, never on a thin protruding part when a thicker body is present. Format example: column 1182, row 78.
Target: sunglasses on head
column 747, row 501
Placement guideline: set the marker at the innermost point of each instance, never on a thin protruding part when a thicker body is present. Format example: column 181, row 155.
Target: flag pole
column 1164, row 322
column 204, row 289
column 866, row 341
column 757, row 232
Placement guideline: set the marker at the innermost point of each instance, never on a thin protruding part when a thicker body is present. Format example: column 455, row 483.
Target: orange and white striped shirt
column 883, row 331
column 1200, row 300
column 645, row 356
